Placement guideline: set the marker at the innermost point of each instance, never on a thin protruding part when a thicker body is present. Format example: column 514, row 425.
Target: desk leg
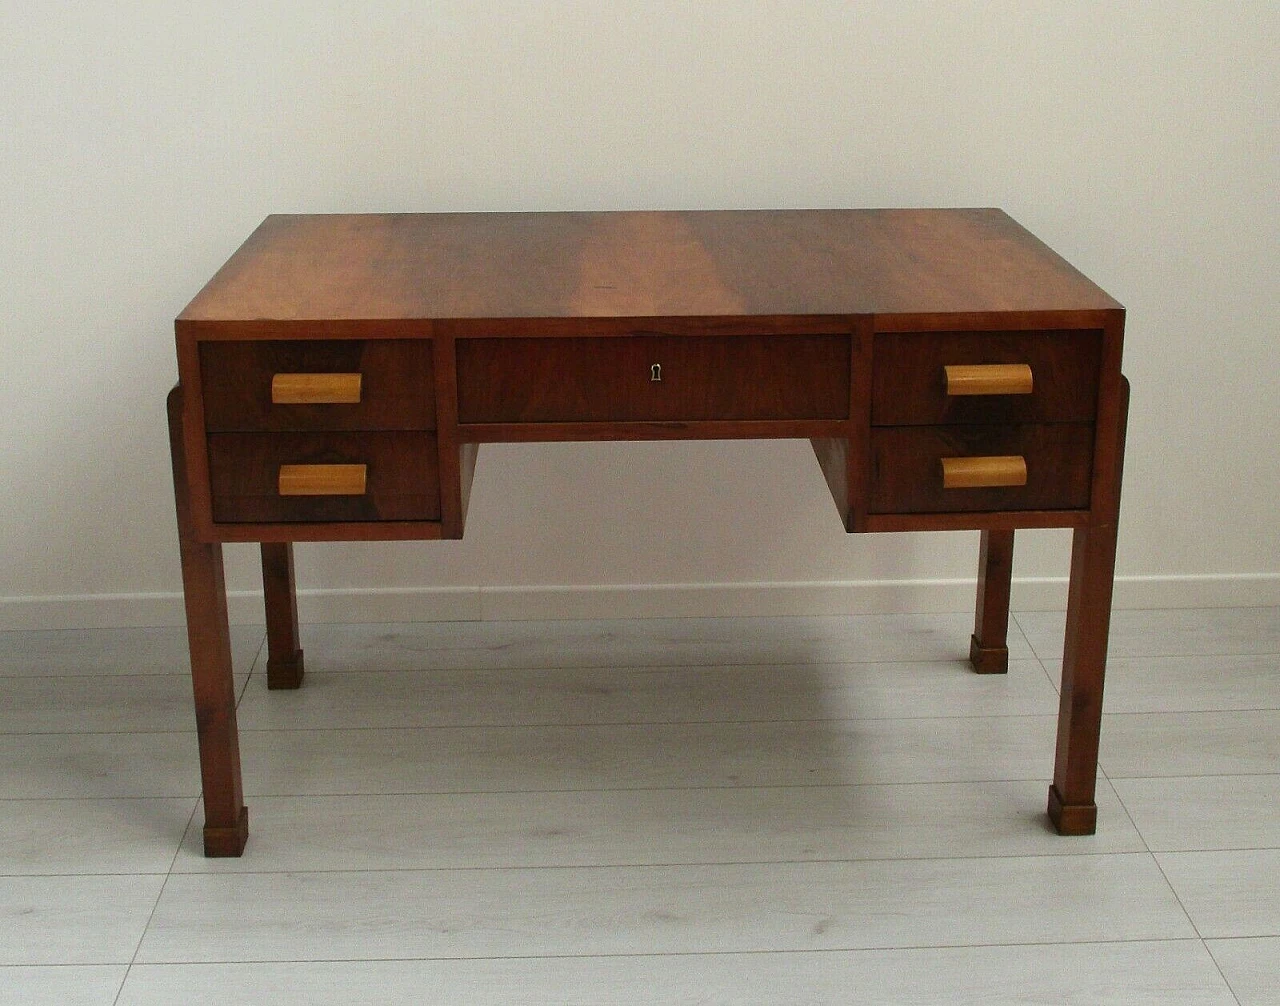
column 226, row 818
column 284, row 655
column 988, row 647
column 1084, row 660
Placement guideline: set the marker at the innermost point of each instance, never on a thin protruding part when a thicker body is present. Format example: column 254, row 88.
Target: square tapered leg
column 988, row 647
column 284, row 652
column 204, row 591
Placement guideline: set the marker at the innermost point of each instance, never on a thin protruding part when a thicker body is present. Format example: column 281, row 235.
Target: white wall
column 141, row 142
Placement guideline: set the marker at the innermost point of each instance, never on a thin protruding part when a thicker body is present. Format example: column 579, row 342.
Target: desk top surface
column 721, row 263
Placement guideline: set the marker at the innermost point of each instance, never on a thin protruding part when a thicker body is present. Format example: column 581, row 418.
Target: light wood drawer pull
column 989, row 379
column 315, row 389
column 983, row 473
column 322, row 480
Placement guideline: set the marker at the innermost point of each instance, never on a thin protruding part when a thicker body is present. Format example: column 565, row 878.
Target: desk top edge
column 642, row 264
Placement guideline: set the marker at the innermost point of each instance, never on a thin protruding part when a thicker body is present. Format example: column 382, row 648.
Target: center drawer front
column 401, row 476
column 909, row 384
column 396, row 386
column 591, row 379
column 907, row 474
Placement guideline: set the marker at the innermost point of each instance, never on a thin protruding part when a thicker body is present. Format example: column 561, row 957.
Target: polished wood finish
column 332, row 270
column 977, row 520
column 901, row 343
column 1084, row 655
column 204, row 590
column 907, row 469
column 284, row 650
column 354, row 530
column 988, row 646
column 316, row 389
column 984, row 473
column 653, row 378
column 911, row 386
column 402, row 481
column 454, row 478
column 729, row 429
column 833, row 458
column 395, row 390
column 323, row 480
column 989, row 379
column 858, row 456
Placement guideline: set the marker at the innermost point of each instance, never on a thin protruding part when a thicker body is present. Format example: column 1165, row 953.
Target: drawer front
column 272, row 477
column 908, row 474
column 910, row 381
column 320, row 384
column 645, row 378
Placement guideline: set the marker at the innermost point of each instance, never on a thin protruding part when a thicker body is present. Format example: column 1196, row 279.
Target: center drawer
column 318, row 384
column 653, row 378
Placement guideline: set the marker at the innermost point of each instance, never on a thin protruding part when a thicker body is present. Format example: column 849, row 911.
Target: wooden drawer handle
column 989, row 379
column 983, row 473
column 322, row 480
column 315, row 389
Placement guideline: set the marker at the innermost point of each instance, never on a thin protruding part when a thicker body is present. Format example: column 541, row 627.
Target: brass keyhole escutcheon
column 655, row 372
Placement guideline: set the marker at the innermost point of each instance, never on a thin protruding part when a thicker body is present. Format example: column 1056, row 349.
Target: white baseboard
column 634, row 601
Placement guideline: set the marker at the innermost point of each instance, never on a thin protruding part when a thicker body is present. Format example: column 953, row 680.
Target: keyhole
column 655, row 372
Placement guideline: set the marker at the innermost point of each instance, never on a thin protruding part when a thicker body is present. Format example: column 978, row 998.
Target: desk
column 339, row 372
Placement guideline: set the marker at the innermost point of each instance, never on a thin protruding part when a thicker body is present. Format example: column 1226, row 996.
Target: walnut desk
column 339, row 372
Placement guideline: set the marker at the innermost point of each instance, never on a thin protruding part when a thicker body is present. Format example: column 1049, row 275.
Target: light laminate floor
column 756, row 810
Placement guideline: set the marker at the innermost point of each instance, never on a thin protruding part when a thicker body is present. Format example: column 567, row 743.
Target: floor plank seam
column 696, row 865
column 693, row 865
column 266, row 794
column 1213, row 957
column 147, row 926
column 582, row 725
column 1193, row 775
column 954, row 658
column 889, row 948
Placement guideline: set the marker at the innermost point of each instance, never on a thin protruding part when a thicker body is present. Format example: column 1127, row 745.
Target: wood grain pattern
column 1084, row 656
column 984, row 472
column 989, row 379
column 833, row 325
column 395, row 384
column 204, row 591
column 640, row 264
column 909, row 385
column 323, row 480
column 315, row 389
column 284, row 651
column 745, row 377
column 988, row 646
column 976, row 520
column 833, row 458
column 330, row 530
column 402, row 478
column 447, row 444
column 722, row 429
column 907, row 470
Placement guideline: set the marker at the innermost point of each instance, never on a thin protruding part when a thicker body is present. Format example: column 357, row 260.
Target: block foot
column 988, row 659
column 285, row 673
column 224, row 842
column 1072, row 819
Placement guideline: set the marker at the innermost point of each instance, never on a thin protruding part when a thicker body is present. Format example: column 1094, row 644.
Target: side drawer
column 908, row 474
column 593, row 379
column 391, row 381
column 398, row 476
column 910, row 386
